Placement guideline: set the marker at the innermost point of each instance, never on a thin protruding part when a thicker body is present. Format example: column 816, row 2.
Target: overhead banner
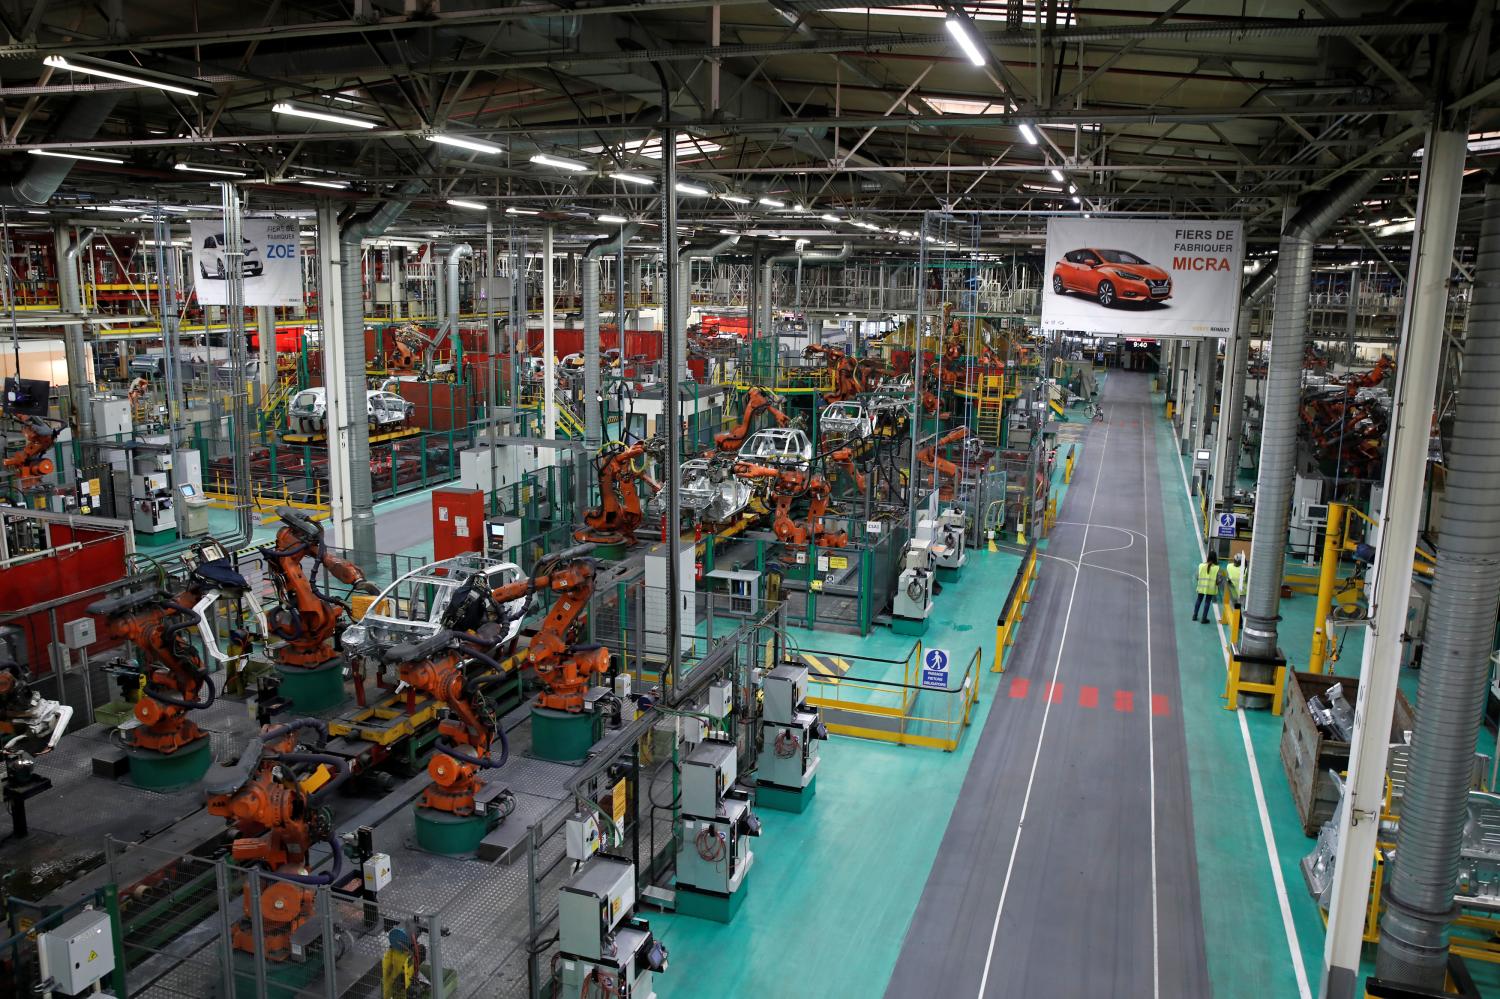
column 272, row 270
column 1143, row 277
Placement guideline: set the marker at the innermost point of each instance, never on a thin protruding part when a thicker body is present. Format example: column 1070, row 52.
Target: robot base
column 785, row 799
column 314, row 688
column 284, row 979
column 710, row 905
column 915, row 627
column 155, row 771
column 564, row 736
column 449, row 834
column 142, row 539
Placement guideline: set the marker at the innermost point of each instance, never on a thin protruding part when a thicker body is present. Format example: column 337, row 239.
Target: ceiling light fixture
column 222, row 171
column 831, row 218
column 1056, row 174
column 320, row 114
column 473, row 206
column 772, row 203
column 735, row 199
column 962, row 31
column 337, row 185
column 129, row 74
column 1028, row 133
column 559, row 162
column 522, row 211
column 613, row 219
column 692, row 189
column 75, row 156
column 633, row 178
column 460, row 142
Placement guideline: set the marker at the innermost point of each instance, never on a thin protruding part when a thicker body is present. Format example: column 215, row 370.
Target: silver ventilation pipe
column 1236, row 370
column 440, row 256
column 351, row 282
column 45, row 174
column 1278, row 439
column 455, row 254
column 1423, row 877
column 70, row 296
column 593, row 425
column 685, row 259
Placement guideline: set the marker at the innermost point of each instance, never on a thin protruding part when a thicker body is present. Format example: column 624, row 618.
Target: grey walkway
column 1068, row 867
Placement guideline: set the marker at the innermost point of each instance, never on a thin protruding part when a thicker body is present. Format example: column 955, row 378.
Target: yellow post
column 1169, row 409
column 1327, row 578
column 1068, row 469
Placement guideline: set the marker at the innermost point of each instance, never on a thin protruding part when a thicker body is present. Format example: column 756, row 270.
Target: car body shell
column 308, row 412
column 1110, row 276
column 848, row 420
column 411, row 609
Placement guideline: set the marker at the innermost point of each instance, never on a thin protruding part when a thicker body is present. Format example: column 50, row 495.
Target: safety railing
column 857, row 703
column 1014, row 609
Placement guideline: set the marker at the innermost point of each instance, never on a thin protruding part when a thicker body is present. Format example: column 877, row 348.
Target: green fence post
column 117, row 931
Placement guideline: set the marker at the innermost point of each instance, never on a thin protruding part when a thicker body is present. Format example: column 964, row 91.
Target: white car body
column 777, row 446
column 308, row 412
column 212, row 262
column 846, row 420
column 411, row 609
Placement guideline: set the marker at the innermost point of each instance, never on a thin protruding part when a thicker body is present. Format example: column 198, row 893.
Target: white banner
column 272, row 268
column 1143, row 277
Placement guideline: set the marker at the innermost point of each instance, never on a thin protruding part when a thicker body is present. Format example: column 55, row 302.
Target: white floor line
column 1150, row 715
column 1272, row 855
column 1015, row 846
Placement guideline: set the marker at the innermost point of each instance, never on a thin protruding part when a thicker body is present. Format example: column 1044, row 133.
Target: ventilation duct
column 593, row 429
column 1423, row 876
column 45, row 174
column 685, row 260
column 842, row 253
column 1236, row 370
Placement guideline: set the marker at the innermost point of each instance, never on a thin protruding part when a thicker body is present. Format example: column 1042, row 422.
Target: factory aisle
column 1068, row 866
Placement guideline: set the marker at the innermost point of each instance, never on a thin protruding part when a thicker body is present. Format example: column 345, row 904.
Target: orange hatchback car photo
column 1110, row 277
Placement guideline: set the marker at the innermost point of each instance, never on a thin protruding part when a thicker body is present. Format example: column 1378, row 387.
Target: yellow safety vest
column 1208, row 576
column 1236, row 574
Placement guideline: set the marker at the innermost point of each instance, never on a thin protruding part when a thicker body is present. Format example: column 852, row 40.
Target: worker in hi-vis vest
column 1209, row 574
column 1235, row 573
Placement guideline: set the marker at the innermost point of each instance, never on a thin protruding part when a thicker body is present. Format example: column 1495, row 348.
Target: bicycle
column 1096, row 412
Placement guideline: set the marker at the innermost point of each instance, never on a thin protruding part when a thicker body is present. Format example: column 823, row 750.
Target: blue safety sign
column 1228, row 525
column 935, row 669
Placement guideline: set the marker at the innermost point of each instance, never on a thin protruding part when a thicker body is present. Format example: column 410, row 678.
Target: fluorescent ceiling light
column 962, row 32
column 772, row 203
column 127, row 74
column 321, row 114
column 650, row 148
column 74, row 156
column 522, row 211
column 1056, row 174
column 113, row 208
column 735, row 198
column 472, row 206
column 474, row 145
column 693, row 189
column 1028, row 133
column 559, row 162
column 1072, row 189
column 1077, row 200
column 613, row 219
column 800, row 208
column 727, row 232
column 337, row 185
column 1397, row 229
column 633, row 178
column 831, row 218
column 222, row 171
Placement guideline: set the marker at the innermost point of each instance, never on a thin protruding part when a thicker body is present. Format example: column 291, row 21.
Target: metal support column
column 335, row 365
column 674, row 340
column 549, row 345
column 1208, row 350
column 265, row 331
column 1405, row 479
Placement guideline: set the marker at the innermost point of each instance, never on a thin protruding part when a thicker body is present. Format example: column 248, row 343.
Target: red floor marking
column 1158, row 704
column 1088, row 697
column 1124, row 700
column 1019, row 686
column 1055, row 692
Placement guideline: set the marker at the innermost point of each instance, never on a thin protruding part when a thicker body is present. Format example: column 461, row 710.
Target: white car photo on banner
column 270, row 264
column 1151, row 278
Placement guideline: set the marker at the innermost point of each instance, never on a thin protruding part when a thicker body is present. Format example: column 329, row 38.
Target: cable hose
column 787, row 744
column 710, row 845
column 162, row 697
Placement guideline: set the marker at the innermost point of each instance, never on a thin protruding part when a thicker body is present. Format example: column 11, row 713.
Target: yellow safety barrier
column 1068, row 468
column 887, row 710
column 1014, row 609
column 1234, row 686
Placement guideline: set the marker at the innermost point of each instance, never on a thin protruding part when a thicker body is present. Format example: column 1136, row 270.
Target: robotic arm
column 756, row 402
column 564, row 667
column 619, row 512
column 31, row 463
column 930, row 457
column 307, row 619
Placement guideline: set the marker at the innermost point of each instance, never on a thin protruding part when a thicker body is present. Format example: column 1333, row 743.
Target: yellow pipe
column 1327, row 577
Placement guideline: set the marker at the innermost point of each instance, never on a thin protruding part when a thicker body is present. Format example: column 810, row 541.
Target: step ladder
column 989, row 421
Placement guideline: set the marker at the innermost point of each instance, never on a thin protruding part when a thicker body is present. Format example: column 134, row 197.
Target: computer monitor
column 188, row 489
column 27, row 395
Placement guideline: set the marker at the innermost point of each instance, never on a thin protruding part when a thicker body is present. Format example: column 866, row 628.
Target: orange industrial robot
column 457, row 809
column 31, row 464
column 276, row 825
column 757, row 401
column 613, row 522
column 308, row 619
column 166, row 749
column 947, row 470
column 788, row 485
column 850, row 377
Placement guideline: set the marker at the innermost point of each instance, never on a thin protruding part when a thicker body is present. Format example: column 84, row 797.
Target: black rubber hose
column 486, row 763
column 483, row 657
column 325, row 878
column 340, row 765
column 163, row 697
column 296, row 725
